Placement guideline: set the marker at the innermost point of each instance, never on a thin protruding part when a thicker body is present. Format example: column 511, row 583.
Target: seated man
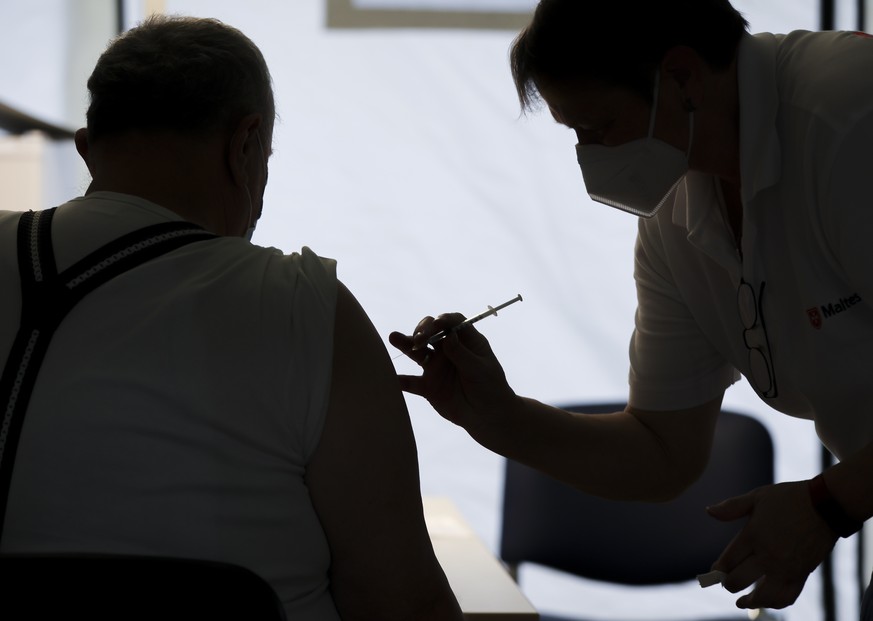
column 218, row 400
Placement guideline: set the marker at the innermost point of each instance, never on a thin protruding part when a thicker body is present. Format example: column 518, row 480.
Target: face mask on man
column 637, row 176
column 251, row 230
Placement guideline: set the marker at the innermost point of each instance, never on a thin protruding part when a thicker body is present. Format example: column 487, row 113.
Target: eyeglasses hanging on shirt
column 750, row 308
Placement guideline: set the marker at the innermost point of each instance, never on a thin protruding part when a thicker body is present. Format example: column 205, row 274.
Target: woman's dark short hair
column 182, row 74
column 619, row 42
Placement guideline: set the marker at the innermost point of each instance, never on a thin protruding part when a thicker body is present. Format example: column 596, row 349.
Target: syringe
column 468, row 322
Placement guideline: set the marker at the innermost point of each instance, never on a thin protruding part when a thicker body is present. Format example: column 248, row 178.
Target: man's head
column 182, row 114
column 182, row 74
column 619, row 43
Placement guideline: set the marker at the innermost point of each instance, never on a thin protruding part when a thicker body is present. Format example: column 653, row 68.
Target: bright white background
column 403, row 155
column 450, row 5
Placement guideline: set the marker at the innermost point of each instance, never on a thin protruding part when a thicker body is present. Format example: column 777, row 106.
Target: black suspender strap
column 47, row 297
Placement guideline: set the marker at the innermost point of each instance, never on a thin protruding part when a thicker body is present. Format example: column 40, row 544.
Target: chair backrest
column 552, row 524
column 124, row 588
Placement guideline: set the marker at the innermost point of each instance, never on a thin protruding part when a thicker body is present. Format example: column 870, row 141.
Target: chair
column 131, row 588
column 552, row 524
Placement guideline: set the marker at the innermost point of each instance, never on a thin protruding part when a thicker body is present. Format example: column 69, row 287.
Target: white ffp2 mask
column 637, row 176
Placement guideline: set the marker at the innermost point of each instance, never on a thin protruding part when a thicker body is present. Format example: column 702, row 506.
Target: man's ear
column 81, row 140
column 243, row 145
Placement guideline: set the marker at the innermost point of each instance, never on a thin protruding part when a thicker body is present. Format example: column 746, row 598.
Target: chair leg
column 829, row 595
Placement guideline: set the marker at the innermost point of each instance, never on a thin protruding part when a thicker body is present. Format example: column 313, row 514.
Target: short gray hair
column 183, row 74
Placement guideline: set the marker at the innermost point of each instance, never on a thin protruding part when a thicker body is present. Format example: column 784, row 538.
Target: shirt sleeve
column 673, row 365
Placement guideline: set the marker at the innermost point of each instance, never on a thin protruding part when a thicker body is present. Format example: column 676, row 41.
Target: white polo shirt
column 806, row 156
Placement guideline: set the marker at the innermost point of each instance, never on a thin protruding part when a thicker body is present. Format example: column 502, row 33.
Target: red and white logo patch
column 814, row 317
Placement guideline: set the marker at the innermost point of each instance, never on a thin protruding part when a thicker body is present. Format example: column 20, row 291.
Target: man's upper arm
column 364, row 485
